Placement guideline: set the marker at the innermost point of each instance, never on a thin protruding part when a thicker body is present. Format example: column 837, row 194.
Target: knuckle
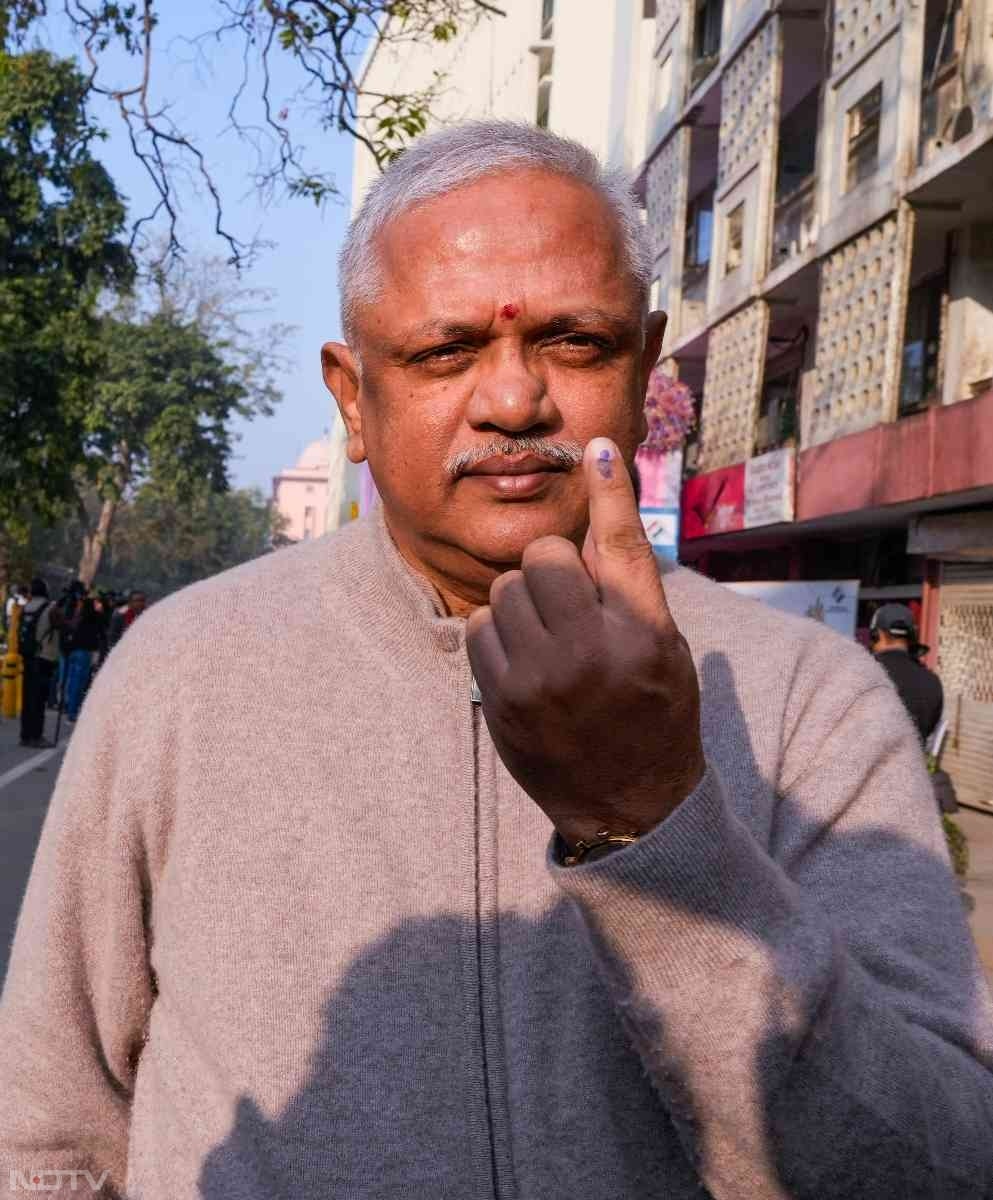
column 547, row 548
column 625, row 541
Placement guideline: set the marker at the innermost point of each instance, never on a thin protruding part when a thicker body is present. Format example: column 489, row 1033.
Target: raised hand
column 589, row 690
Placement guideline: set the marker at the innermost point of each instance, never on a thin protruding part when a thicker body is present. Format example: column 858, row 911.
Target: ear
column 341, row 378
column 655, row 325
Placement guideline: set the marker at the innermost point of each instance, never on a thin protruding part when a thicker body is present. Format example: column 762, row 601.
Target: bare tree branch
column 325, row 38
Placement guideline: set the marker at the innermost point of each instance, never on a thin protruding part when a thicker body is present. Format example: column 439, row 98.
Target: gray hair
column 450, row 158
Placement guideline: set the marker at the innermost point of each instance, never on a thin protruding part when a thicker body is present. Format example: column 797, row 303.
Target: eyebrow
column 445, row 331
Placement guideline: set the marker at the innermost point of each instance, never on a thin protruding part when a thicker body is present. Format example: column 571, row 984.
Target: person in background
column 125, row 617
column 38, row 644
column 86, row 644
column 894, row 641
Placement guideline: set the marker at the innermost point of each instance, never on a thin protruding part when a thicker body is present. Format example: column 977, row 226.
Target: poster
column 714, row 502
column 833, row 602
column 769, row 488
column 660, row 474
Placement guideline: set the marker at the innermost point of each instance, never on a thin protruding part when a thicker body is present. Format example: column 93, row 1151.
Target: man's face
column 504, row 314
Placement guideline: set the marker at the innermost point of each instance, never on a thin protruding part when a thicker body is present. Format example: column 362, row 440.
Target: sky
column 299, row 268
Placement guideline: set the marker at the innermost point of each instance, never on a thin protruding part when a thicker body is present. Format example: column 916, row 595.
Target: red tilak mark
column 509, row 311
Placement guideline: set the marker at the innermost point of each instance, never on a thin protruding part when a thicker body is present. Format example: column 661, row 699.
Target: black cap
column 896, row 619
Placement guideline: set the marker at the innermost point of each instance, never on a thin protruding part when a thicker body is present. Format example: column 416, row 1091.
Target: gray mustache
column 563, row 454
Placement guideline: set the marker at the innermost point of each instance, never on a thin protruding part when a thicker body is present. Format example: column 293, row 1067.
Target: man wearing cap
column 897, row 650
column 500, row 867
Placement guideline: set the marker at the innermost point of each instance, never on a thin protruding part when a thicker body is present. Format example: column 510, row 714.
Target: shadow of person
column 821, row 1056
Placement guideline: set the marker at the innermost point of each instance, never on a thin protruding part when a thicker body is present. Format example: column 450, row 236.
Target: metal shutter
column 965, row 664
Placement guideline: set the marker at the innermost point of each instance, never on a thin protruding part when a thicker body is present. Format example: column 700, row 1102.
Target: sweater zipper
column 476, row 700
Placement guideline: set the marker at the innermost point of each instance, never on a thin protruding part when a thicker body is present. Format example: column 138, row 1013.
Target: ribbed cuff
column 689, row 895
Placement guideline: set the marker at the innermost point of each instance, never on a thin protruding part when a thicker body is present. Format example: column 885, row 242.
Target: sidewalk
column 978, row 893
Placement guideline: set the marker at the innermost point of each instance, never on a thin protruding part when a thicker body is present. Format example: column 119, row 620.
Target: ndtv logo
column 51, row 1181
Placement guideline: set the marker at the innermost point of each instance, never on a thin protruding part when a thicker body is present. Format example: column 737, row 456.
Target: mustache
column 567, row 455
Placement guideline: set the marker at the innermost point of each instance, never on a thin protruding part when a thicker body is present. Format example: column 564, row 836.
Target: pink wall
column 945, row 449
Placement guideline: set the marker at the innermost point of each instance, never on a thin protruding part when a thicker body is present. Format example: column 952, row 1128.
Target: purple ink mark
column 509, row 311
column 604, row 465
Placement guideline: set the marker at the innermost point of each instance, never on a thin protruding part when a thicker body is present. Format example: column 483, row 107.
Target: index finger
column 621, row 555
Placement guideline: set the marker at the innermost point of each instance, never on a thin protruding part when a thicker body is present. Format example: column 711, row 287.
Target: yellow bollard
column 12, row 672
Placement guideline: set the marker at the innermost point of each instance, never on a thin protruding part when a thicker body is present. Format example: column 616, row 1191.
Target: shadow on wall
column 836, row 1097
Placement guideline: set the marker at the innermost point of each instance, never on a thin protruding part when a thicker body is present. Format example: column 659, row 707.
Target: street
column 27, row 778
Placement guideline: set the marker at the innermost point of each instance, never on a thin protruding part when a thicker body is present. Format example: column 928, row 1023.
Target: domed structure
column 316, row 457
column 300, row 493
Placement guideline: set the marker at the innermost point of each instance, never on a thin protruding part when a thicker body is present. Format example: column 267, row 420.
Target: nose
column 509, row 395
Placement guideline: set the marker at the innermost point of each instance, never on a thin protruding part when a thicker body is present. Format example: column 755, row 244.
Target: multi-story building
column 819, row 187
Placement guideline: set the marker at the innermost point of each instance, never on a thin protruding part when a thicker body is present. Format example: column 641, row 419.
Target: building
column 818, row 180
column 300, row 493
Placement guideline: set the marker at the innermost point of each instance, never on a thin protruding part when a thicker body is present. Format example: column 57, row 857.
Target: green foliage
column 958, row 845
column 161, row 542
column 60, row 247
column 161, row 408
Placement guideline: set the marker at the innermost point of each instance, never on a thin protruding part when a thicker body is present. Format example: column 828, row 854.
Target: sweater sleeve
column 79, row 986
column 811, row 1011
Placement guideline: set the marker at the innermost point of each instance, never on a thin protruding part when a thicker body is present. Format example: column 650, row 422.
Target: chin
column 503, row 535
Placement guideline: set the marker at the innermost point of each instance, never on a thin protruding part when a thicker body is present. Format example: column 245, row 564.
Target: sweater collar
column 407, row 596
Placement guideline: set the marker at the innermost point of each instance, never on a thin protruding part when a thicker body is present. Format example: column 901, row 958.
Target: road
column 28, row 776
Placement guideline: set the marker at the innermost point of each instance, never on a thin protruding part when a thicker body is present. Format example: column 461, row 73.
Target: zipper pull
column 475, row 695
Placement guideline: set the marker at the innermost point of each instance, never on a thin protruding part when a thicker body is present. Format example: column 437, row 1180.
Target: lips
column 513, row 464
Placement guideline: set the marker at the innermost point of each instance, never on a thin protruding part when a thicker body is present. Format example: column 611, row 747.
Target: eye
column 588, row 345
column 450, row 352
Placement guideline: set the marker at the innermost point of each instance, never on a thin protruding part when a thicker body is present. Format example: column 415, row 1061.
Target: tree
column 161, row 543
column 60, row 247
column 160, row 413
column 325, row 40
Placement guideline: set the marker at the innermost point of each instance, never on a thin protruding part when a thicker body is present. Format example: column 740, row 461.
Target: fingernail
column 603, row 452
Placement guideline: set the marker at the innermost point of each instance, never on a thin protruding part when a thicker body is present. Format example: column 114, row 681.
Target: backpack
column 27, row 632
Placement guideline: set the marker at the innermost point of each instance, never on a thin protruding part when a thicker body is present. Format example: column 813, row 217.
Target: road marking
column 36, row 760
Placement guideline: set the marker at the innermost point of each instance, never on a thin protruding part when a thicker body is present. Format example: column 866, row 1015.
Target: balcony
column 794, row 228
column 945, row 114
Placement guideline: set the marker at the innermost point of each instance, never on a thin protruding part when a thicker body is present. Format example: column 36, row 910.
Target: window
column 777, row 411
column 862, row 136
column 921, row 345
column 665, row 83
column 706, row 38
column 735, row 238
column 544, row 104
column 308, row 523
column 699, row 230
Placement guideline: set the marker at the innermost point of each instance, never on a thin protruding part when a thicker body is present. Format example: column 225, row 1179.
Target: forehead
column 526, row 235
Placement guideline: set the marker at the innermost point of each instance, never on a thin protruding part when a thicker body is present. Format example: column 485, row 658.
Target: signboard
column 833, row 602
column 660, row 475
column 714, row 503
column 769, row 488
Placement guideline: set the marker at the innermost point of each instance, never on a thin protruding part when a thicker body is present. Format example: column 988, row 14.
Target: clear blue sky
column 300, row 268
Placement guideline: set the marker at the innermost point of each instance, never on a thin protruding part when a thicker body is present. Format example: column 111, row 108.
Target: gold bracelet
column 582, row 850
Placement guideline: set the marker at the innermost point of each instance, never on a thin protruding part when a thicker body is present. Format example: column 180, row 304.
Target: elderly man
column 502, row 867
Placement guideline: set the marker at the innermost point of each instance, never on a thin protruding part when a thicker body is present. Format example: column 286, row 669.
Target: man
column 893, row 635
column 309, row 928
column 37, row 642
column 125, row 616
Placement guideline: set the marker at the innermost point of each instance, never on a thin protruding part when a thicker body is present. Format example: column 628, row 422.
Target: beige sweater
column 294, row 932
